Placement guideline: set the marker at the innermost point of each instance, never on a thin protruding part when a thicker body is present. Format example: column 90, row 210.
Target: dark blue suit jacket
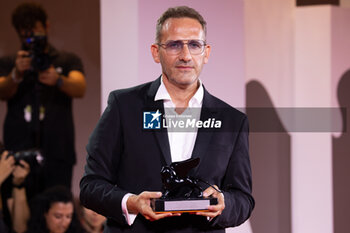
column 124, row 158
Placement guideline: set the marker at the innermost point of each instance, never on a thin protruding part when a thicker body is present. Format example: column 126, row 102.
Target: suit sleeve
column 98, row 189
column 237, row 184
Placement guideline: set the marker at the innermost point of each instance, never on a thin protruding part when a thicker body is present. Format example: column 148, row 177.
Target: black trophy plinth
column 181, row 193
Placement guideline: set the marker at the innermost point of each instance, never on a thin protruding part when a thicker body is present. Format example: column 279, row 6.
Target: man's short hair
column 27, row 14
column 179, row 12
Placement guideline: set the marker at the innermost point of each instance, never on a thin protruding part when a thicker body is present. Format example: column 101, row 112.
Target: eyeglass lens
column 176, row 46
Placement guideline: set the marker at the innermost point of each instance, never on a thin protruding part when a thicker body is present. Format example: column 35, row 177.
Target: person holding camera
column 39, row 83
column 7, row 164
column 6, row 168
column 16, row 212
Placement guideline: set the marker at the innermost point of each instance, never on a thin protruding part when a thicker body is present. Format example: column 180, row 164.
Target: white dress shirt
column 181, row 143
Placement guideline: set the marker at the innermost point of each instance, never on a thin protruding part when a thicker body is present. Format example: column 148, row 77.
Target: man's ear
column 155, row 53
column 207, row 53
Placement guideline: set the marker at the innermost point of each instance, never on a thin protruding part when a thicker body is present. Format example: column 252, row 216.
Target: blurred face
column 59, row 217
column 184, row 68
column 38, row 30
column 93, row 219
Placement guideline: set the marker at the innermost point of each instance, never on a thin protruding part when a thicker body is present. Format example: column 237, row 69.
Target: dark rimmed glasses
column 175, row 47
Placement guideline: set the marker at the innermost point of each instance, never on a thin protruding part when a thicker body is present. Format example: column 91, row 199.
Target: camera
column 33, row 156
column 36, row 45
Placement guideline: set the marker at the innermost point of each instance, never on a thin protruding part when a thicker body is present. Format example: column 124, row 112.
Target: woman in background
column 53, row 212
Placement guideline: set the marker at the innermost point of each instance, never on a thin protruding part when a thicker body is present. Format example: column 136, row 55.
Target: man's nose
column 185, row 54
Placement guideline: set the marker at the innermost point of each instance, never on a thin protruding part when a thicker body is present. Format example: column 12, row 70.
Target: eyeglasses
column 174, row 47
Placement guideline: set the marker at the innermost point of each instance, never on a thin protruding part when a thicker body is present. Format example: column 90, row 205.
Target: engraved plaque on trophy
column 181, row 193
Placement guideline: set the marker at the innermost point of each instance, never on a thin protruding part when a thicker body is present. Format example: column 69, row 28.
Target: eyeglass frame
column 203, row 42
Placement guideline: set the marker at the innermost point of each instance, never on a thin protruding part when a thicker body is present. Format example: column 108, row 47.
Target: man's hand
column 20, row 172
column 23, row 62
column 7, row 164
column 49, row 76
column 214, row 210
column 141, row 204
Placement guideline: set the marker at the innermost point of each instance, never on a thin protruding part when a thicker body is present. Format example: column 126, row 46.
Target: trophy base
column 182, row 205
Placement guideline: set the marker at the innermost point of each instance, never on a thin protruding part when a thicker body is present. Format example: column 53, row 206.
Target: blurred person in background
column 39, row 83
column 17, row 211
column 6, row 168
column 53, row 212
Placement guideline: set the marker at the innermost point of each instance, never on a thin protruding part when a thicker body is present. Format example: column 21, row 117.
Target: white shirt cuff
column 130, row 218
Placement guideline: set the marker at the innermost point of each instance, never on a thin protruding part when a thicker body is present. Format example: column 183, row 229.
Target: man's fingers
column 9, row 159
column 153, row 216
column 221, row 203
column 148, row 212
column 165, row 215
column 22, row 53
column 150, row 195
column 23, row 61
column 213, row 210
column 208, row 192
column 146, row 209
column 3, row 155
column 209, row 214
column 24, row 164
column 142, row 205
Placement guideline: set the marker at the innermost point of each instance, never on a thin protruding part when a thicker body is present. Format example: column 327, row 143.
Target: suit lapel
column 203, row 135
column 161, row 135
column 163, row 141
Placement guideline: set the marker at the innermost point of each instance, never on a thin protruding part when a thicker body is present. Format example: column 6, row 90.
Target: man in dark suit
column 124, row 158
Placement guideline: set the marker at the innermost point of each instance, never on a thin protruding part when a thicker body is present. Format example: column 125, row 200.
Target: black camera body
column 36, row 45
column 33, row 156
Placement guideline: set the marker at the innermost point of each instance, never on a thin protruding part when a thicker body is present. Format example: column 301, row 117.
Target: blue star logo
column 151, row 120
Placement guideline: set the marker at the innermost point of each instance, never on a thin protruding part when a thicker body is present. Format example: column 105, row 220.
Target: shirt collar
column 195, row 101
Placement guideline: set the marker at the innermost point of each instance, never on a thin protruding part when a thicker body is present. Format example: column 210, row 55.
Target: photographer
column 38, row 83
column 6, row 168
column 15, row 202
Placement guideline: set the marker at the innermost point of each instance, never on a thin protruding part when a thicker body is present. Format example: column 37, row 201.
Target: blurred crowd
column 38, row 83
column 52, row 211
